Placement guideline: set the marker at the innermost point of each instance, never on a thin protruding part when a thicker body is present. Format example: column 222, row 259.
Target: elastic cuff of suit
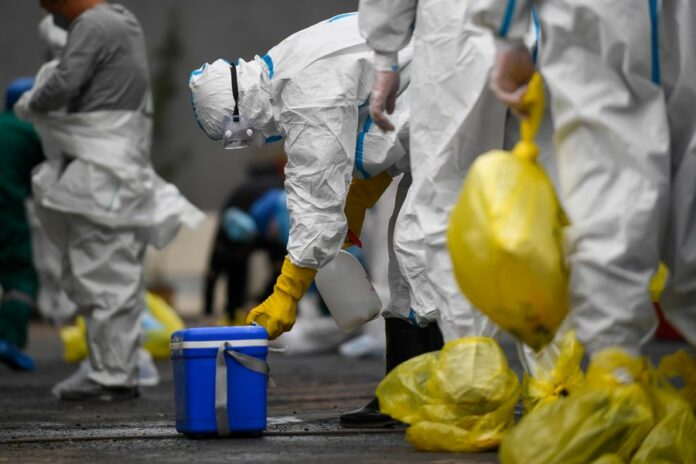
column 386, row 61
column 507, row 44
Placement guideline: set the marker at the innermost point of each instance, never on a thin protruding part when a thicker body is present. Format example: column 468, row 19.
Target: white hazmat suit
column 312, row 89
column 103, row 204
column 455, row 118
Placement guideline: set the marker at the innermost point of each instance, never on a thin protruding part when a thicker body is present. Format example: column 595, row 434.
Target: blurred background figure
column 21, row 152
column 253, row 218
column 98, row 194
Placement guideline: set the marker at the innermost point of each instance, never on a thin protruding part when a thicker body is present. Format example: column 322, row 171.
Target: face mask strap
column 235, row 93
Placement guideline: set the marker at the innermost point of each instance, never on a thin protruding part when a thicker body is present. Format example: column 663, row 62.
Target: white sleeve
column 507, row 19
column 320, row 144
column 387, row 26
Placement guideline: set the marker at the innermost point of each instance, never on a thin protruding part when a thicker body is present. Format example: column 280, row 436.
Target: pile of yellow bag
column 159, row 321
column 625, row 412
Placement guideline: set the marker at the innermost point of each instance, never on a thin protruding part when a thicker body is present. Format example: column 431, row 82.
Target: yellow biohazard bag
column 159, row 321
column 460, row 399
column 624, row 413
column 681, row 365
column 505, row 237
column 555, row 379
column 74, row 338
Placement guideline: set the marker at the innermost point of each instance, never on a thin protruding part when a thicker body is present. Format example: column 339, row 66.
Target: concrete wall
column 206, row 29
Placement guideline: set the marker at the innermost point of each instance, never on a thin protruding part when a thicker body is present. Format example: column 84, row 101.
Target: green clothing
column 20, row 152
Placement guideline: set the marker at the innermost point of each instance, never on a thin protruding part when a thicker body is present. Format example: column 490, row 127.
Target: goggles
column 237, row 131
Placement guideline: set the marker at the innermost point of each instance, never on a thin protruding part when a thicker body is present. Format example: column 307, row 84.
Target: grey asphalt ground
column 303, row 418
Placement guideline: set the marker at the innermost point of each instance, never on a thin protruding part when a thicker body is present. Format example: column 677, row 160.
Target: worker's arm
column 80, row 58
column 320, row 143
column 509, row 20
column 387, row 26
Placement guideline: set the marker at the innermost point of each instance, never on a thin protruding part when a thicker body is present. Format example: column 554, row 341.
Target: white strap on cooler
column 249, row 362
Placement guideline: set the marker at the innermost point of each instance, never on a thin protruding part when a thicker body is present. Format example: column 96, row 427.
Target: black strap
column 235, row 93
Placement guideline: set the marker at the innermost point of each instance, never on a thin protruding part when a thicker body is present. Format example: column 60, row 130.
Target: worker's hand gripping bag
column 505, row 237
column 461, row 399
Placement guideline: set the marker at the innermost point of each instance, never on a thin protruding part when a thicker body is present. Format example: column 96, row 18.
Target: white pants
column 626, row 150
column 102, row 273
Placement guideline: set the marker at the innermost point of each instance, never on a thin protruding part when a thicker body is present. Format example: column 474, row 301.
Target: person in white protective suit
column 458, row 119
column 455, row 119
column 97, row 193
column 312, row 90
column 621, row 79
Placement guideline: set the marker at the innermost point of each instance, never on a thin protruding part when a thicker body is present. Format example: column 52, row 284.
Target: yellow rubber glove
column 362, row 195
column 278, row 312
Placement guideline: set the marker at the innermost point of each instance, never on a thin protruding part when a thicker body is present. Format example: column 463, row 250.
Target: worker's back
column 328, row 63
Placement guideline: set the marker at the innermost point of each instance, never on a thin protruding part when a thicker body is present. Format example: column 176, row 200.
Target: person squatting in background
column 253, row 218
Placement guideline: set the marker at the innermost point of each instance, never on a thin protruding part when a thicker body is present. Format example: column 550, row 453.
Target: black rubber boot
column 404, row 341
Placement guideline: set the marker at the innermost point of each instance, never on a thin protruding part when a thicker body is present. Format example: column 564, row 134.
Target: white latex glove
column 383, row 97
column 513, row 69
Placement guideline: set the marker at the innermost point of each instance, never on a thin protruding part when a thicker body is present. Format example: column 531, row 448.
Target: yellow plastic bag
column 74, row 338
column 657, row 283
column 673, row 439
column 505, row 237
column 624, row 413
column 681, row 365
column 603, row 417
column 159, row 321
column 557, row 380
column 460, row 399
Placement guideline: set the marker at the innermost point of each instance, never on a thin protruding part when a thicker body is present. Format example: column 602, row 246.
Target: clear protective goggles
column 237, row 131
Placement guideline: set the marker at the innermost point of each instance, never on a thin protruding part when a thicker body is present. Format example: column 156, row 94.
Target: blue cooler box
column 220, row 373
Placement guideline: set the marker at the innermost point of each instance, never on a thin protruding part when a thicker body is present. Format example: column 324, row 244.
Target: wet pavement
column 303, row 413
